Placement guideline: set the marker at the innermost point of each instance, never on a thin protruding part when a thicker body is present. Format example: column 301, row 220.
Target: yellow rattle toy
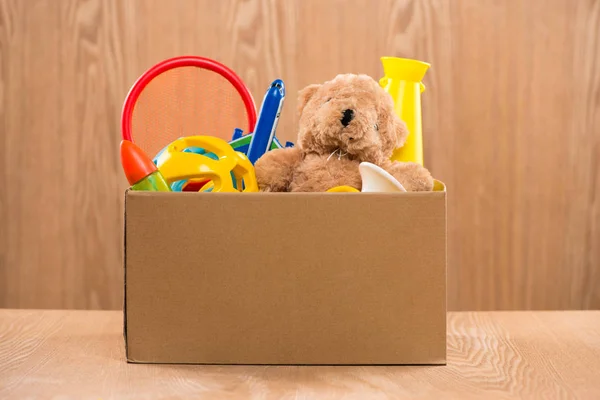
column 175, row 164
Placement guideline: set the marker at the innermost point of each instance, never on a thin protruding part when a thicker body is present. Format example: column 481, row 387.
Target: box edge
column 124, row 263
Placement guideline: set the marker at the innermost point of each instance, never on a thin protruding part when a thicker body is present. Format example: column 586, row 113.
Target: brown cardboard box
column 282, row 278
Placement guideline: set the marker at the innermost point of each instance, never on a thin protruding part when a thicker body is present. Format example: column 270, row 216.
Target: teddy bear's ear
column 305, row 94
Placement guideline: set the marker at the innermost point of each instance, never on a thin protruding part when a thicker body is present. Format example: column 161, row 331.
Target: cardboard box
column 285, row 278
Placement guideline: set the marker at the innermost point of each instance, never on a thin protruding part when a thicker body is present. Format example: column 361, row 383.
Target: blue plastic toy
column 242, row 144
column 264, row 131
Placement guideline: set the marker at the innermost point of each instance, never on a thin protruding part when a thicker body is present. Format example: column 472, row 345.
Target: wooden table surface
column 80, row 355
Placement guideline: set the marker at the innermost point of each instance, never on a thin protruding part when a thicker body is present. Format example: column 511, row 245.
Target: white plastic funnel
column 378, row 180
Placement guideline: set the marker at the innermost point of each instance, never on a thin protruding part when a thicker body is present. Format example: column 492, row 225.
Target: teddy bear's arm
column 275, row 169
column 414, row 177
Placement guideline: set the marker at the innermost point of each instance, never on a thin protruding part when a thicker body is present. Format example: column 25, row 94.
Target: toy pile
column 353, row 133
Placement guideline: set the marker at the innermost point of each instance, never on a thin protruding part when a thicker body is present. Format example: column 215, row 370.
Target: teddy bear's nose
column 348, row 116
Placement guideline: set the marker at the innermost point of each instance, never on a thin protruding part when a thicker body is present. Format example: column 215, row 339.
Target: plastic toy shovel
column 376, row 179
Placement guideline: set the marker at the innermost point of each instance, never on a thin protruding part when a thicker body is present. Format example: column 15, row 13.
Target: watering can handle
column 383, row 82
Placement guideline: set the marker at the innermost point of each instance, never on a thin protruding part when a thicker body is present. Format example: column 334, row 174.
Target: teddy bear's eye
column 328, row 100
column 376, row 127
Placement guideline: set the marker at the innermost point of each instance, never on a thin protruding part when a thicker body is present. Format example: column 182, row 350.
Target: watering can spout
column 404, row 68
column 402, row 80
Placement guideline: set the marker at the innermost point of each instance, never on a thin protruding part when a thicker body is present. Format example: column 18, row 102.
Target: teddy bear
column 342, row 122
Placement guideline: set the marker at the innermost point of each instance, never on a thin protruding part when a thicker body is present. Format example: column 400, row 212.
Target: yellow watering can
column 402, row 81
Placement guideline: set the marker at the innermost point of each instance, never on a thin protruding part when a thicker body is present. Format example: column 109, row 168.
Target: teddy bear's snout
column 348, row 116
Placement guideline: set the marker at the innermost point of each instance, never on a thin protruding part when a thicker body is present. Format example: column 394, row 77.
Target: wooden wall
column 511, row 125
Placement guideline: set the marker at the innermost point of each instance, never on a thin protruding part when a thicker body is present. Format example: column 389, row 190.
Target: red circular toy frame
column 184, row 61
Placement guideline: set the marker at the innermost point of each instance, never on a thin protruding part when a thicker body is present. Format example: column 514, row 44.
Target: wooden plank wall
column 511, row 125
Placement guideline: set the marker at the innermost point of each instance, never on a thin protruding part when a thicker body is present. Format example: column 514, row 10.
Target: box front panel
column 286, row 278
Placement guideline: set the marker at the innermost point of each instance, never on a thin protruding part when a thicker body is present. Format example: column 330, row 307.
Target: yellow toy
column 175, row 165
column 402, row 81
column 343, row 189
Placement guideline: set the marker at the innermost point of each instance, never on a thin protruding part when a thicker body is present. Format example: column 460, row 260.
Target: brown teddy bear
column 343, row 122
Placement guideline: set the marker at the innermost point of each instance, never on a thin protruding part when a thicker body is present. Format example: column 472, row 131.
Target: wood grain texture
column 63, row 80
column 511, row 125
column 494, row 355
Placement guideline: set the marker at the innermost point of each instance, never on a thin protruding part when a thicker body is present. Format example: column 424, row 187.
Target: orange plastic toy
column 139, row 169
